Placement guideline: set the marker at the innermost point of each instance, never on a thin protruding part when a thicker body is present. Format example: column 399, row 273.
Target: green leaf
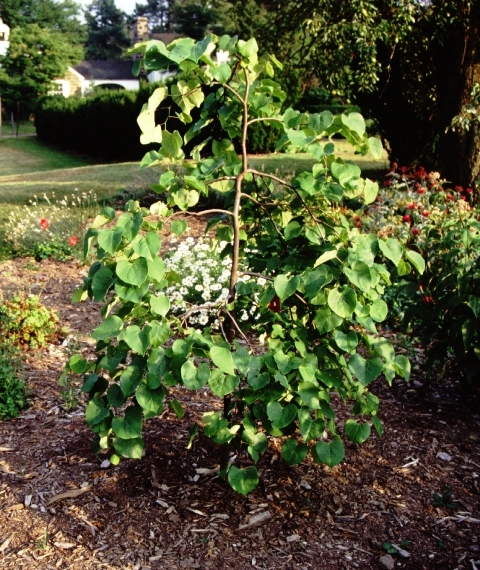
column 96, row 411
column 101, row 283
column 131, row 448
column 331, row 453
column 178, row 227
column 247, row 49
column 342, row 302
column 130, row 379
column 150, row 400
column 115, row 396
column 243, row 481
column 130, row 426
column 177, row 408
column 133, row 273
column 194, row 378
column 160, row 304
column 357, row 432
column 376, row 147
column 222, row 358
column 110, row 328
column 156, row 269
column 370, row 191
column 281, row 416
column 222, row 384
column 110, row 239
column 325, row 320
column 355, row 122
column 378, row 425
column 172, row 144
column 77, row 364
column 293, row 452
column 416, row 260
column 378, row 310
column 136, row 339
column 285, row 286
column 391, row 249
column 346, row 342
column 365, row 370
column 309, row 428
column 402, row 365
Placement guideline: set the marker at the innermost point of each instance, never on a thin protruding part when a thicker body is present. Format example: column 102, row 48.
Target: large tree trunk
column 459, row 153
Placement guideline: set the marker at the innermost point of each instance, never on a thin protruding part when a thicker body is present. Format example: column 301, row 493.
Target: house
column 110, row 74
column 4, row 34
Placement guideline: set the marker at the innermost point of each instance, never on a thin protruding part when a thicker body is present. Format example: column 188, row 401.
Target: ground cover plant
column 323, row 281
column 13, row 391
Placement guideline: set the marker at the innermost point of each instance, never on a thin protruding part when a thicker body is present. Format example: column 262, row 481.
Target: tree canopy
column 35, row 57
column 61, row 16
column 107, row 31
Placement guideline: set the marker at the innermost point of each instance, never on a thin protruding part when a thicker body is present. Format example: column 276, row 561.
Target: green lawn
column 23, row 155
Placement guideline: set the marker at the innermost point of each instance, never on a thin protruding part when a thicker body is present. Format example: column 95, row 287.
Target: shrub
column 320, row 305
column 26, row 323
column 13, row 391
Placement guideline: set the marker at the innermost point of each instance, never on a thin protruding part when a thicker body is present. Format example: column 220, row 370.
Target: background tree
column 411, row 65
column 107, row 31
column 158, row 13
column 60, row 17
column 35, row 57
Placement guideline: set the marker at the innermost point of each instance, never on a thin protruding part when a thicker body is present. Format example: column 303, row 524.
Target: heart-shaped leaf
column 293, row 452
column 281, row 416
column 130, row 426
column 342, row 301
column 331, row 453
column 365, row 370
column 357, row 432
column 222, row 358
column 243, row 481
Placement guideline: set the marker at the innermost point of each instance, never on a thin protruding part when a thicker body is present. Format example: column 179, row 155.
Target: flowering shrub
column 409, row 201
column 47, row 228
column 441, row 306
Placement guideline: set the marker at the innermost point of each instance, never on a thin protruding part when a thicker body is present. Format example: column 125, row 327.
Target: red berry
column 407, row 219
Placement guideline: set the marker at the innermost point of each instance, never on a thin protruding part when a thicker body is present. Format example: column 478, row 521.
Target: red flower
column 469, row 191
column 274, row 304
column 428, row 299
column 411, row 206
column 421, row 190
column 426, row 213
column 72, row 241
column 449, row 197
column 407, row 219
column 44, row 224
column 415, row 231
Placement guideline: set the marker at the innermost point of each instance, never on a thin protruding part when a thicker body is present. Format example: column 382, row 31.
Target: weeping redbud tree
column 320, row 307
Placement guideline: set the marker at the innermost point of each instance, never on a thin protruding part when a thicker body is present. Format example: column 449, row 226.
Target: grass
column 25, row 128
column 29, row 169
column 24, row 155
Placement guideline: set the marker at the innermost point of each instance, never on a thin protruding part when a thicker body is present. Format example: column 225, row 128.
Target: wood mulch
column 63, row 507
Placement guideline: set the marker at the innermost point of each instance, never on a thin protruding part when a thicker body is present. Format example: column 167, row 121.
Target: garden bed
column 60, row 507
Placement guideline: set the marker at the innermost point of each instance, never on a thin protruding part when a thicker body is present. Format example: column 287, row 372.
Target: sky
column 127, row 6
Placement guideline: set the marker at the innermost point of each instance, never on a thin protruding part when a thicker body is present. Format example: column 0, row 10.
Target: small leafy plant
column 444, row 499
column 26, row 323
column 13, row 391
column 321, row 301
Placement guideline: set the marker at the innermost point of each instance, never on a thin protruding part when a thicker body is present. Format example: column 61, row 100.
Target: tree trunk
column 459, row 153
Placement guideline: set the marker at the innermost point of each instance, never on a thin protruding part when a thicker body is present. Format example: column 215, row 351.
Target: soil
column 63, row 507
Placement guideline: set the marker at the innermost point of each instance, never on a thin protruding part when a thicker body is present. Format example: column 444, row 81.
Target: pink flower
column 72, row 241
column 44, row 223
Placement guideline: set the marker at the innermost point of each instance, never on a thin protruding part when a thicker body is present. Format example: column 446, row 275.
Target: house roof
column 96, row 69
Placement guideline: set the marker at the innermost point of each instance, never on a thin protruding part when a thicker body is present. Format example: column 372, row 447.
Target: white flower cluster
column 203, row 280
